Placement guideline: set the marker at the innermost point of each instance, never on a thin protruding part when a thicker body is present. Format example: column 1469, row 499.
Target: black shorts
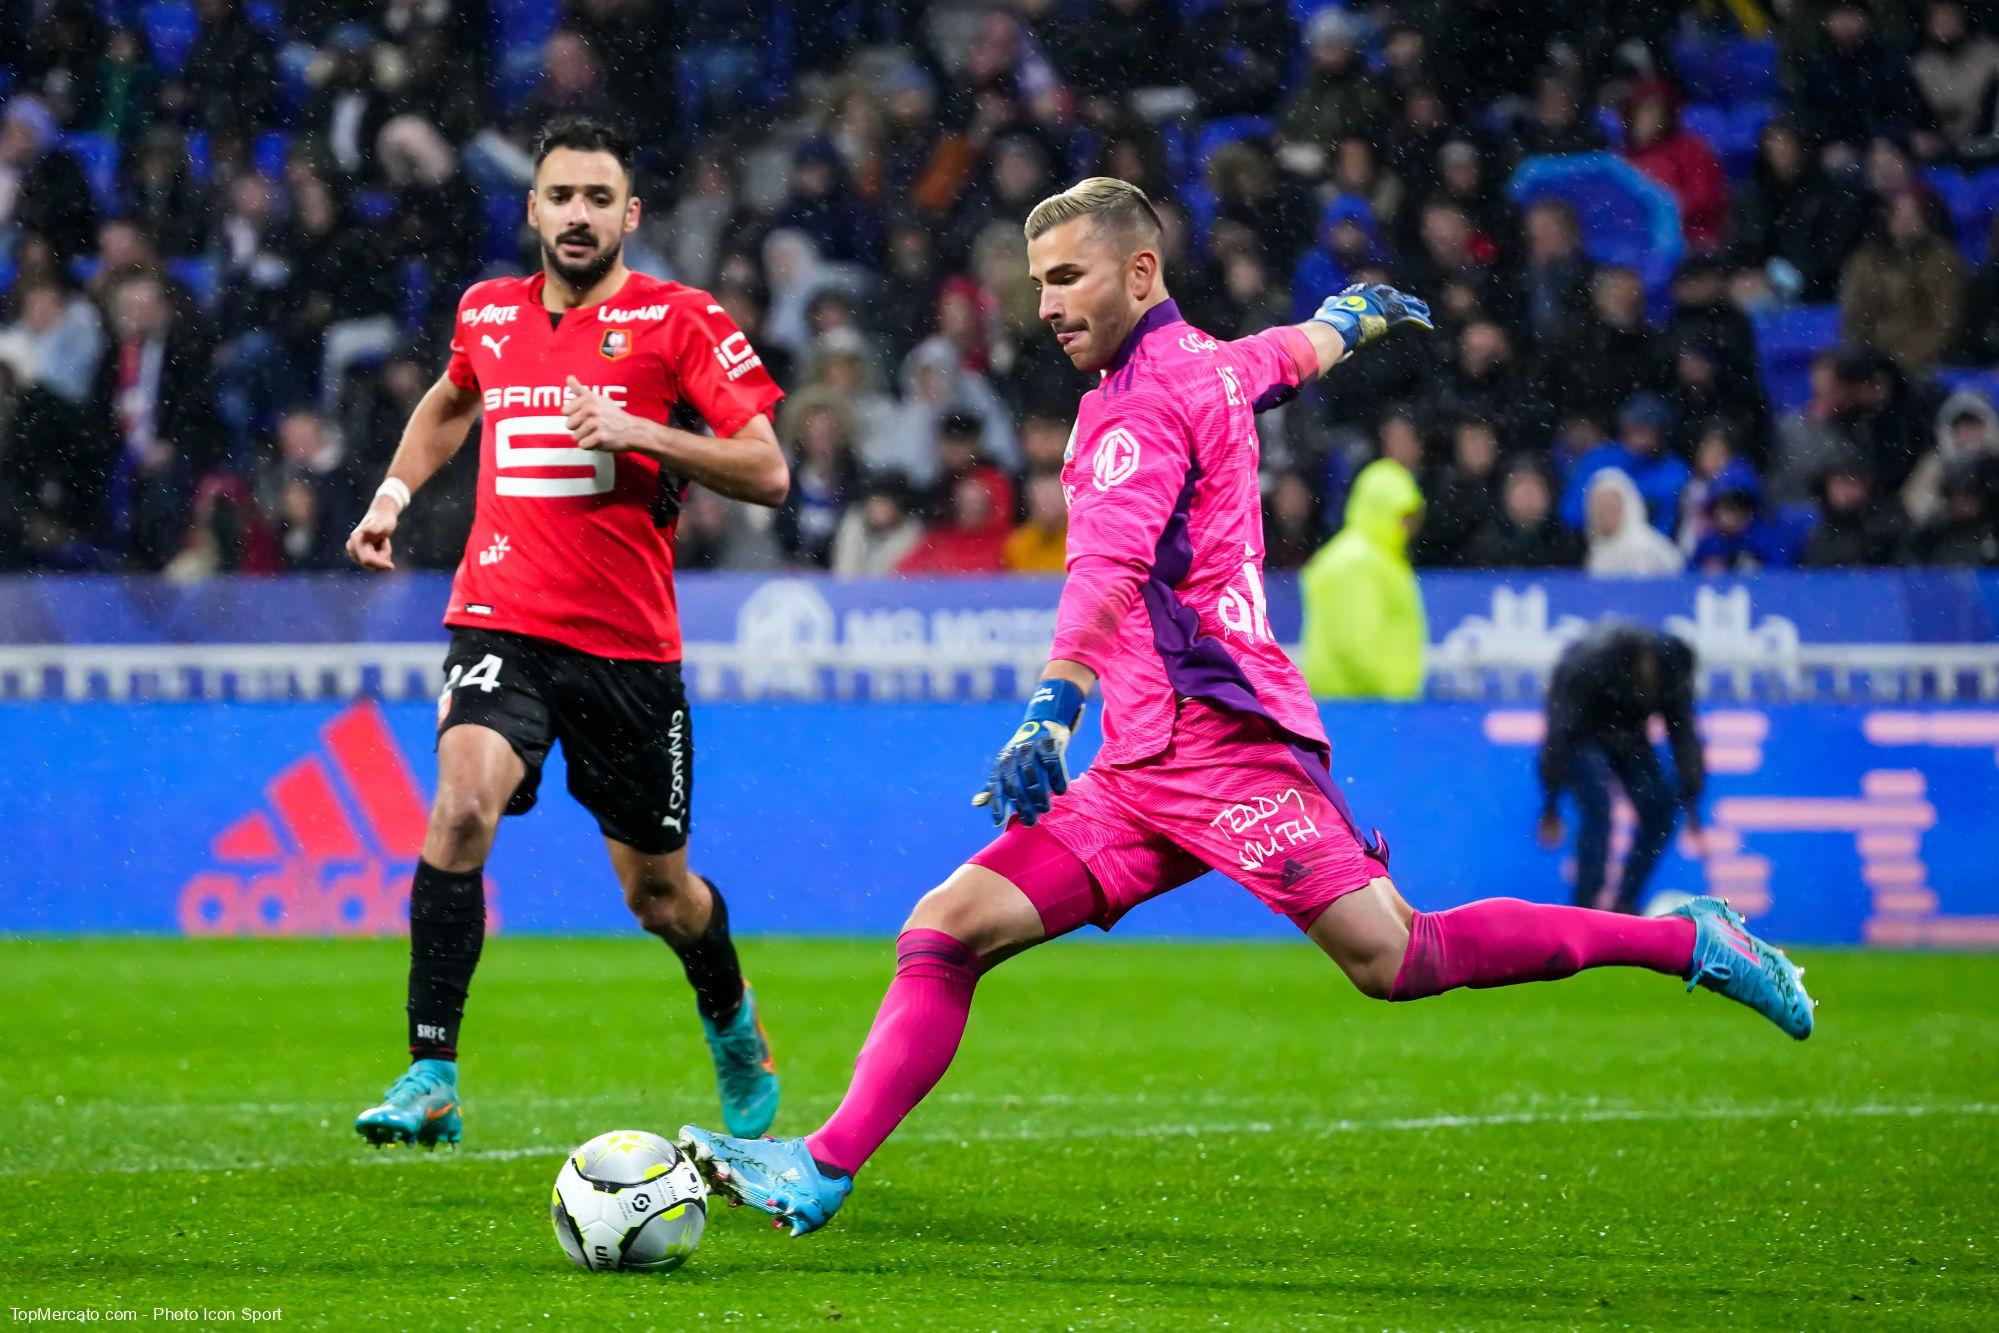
column 624, row 727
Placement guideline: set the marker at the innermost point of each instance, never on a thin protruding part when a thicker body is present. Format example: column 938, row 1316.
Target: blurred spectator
column 1791, row 212
column 1966, row 428
column 1593, row 365
column 1359, row 172
column 1639, row 452
column 151, row 395
column 1455, row 262
column 1965, row 531
column 1856, row 88
column 625, row 36
column 571, row 83
column 1715, row 452
column 1237, row 56
column 1124, row 45
column 935, row 384
column 165, row 199
column 1465, row 501
column 61, row 60
column 1557, row 124
column 971, row 535
column 1462, row 180
column 1810, row 438
column 1485, row 382
column 704, row 212
column 1364, row 628
column 1882, row 414
column 432, row 201
column 823, row 205
column 337, row 304
column 1702, row 313
column 818, row 434
column 43, row 192
column 1742, row 535
column 1293, row 521
column 1855, row 526
column 63, row 337
column 229, row 78
column 1904, row 290
column 1336, row 97
column 1348, row 240
column 348, row 105
column 1702, row 384
column 842, row 361
column 1623, row 543
column 1038, row 545
column 226, row 534
column 876, row 534
column 51, row 478
column 1657, row 145
column 1250, row 193
column 313, row 489
column 1526, row 534
column 1955, row 69
column 1555, row 279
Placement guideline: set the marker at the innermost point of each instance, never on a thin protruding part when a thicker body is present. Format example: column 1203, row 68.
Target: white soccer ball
column 629, row 1200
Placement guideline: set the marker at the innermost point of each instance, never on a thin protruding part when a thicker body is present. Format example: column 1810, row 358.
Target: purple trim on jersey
column 1313, row 761
column 1275, row 396
column 1197, row 666
column 1117, row 377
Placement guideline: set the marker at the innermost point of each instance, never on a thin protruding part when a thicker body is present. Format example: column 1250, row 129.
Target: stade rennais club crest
column 328, row 849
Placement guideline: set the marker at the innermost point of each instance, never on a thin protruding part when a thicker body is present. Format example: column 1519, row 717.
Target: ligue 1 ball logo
column 617, row 344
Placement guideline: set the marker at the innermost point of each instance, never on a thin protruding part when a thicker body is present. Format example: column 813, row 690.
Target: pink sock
column 915, row 1035
column 1504, row 941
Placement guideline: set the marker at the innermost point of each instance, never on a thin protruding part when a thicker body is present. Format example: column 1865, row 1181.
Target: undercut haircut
column 584, row 134
column 1119, row 207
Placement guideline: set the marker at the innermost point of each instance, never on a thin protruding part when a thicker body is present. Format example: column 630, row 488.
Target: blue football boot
column 775, row 1175
column 745, row 1074
column 420, row 1107
column 1730, row 961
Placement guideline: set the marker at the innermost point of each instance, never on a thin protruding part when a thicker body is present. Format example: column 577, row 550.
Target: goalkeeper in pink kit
column 1214, row 756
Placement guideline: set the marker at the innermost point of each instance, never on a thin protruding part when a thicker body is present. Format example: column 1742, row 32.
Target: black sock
column 711, row 965
column 447, row 929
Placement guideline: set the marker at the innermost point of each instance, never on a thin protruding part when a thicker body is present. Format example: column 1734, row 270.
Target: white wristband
column 395, row 490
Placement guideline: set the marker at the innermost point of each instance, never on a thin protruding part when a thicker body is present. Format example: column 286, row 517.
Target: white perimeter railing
column 1824, row 673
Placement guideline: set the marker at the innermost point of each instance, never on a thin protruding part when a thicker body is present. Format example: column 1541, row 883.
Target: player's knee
column 963, row 916
column 669, row 905
column 462, row 824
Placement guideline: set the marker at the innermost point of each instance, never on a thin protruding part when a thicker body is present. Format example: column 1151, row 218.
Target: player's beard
column 582, row 277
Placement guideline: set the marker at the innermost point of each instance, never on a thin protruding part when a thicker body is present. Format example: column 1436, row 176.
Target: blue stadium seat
column 1952, row 379
column 1786, row 342
column 97, row 154
column 518, row 23
column 1727, row 70
column 7, row 270
column 1194, row 192
column 270, row 151
column 202, row 277
column 267, row 18
column 1731, row 131
column 1627, row 218
column 374, row 205
column 197, row 154
column 1971, row 200
column 170, row 27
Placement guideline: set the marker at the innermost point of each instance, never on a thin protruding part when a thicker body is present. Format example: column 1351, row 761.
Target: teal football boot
column 1730, row 961
column 420, row 1107
column 745, row 1074
column 777, row 1176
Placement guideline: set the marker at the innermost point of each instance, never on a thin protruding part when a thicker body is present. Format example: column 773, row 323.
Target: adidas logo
column 332, row 851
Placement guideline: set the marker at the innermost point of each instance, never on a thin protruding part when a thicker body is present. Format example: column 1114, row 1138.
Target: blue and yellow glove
column 1030, row 771
column 1362, row 313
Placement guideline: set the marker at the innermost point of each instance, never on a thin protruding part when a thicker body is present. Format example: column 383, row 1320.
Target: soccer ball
column 629, row 1200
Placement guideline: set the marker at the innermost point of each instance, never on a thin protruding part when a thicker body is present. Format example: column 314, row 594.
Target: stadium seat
column 97, row 154
column 202, row 278
column 267, row 18
column 1727, row 70
column 1952, row 379
column 1786, row 342
column 269, row 153
column 1194, row 192
column 1731, row 131
column 1972, row 200
column 1626, row 217
column 170, row 27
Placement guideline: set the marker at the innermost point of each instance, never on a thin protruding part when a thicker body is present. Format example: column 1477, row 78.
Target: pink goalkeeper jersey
column 1164, row 598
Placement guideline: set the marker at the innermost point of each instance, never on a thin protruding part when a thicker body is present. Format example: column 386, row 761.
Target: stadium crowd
column 231, row 238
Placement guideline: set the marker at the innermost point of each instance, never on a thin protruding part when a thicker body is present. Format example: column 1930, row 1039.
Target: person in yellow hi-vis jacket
column 1364, row 623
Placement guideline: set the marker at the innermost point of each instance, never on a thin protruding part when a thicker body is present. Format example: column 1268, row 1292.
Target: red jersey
column 566, row 543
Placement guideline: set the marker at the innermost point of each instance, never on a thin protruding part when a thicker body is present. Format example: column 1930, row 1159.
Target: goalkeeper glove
column 1030, row 771
column 1360, row 314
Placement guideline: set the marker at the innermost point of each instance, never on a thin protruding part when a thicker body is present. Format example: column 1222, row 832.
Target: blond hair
column 1118, row 206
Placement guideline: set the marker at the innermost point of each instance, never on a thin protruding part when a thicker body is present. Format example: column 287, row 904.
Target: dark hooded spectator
column 1348, row 241
column 1955, row 69
column 824, row 205
column 1463, row 500
column 1656, row 144
column 348, row 104
column 1526, row 535
column 52, row 470
column 1124, row 45
column 1640, row 452
column 1336, row 97
column 1555, row 275
column 432, row 197
column 1485, row 381
column 1293, row 521
column 1965, row 531
column 818, row 434
column 1856, row 88
column 1249, row 192
column 1966, row 427
column 1702, row 384
column 313, row 489
column 1424, row 127
column 62, row 61
column 1238, row 54
column 163, row 195
column 1791, row 212
column 900, row 315
column 43, row 193
column 1904, row 290
column 1742, row 536
column 1702, row 313
column 1595, row 363
column 1855, row 525
column 1557, row 124
column 1882, row 414
column 229, row 78
column 877, row 532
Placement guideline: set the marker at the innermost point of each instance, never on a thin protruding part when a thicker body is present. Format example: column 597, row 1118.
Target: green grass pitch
column 1142, row 1135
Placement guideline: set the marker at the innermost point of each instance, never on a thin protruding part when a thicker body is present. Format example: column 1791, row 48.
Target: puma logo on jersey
column 493, row 314
column 497, row 344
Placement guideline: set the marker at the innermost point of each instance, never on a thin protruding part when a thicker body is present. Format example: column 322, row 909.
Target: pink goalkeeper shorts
column 1228, row 793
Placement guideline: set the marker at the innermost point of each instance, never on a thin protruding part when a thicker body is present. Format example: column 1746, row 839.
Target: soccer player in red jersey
column 562, row 612
column 1214, row 755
